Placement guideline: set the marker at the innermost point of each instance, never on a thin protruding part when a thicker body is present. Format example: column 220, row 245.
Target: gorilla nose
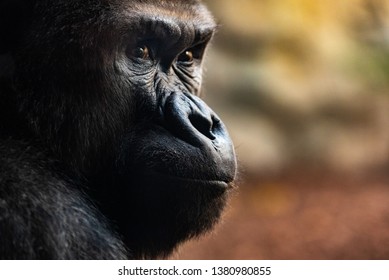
column 191, row 120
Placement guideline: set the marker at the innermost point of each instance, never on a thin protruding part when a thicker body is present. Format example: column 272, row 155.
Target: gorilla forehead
column 167, row 17
column 171, row 24
column 189, row 10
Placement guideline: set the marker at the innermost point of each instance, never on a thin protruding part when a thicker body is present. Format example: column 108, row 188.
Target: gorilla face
column 111, row 88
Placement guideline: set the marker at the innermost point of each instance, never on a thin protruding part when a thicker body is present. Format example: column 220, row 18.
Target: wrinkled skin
column 106, row 150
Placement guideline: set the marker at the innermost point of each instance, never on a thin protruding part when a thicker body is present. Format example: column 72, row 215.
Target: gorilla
column 106, row 149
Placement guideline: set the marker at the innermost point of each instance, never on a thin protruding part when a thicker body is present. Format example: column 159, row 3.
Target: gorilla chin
column 186, row 208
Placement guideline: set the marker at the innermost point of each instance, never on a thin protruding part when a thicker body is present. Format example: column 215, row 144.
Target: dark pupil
column 141, row 52
column 186, row 56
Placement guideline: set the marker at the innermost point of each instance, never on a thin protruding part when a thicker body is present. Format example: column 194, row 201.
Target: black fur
column 105, row 153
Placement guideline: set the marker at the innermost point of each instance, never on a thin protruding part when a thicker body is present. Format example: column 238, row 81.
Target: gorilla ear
column 15, row 16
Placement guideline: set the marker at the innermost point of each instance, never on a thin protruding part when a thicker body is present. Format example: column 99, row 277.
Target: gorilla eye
column 141, row 52
column 186, row 56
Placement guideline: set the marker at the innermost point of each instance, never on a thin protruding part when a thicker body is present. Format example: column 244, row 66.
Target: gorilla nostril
column 204, row 125
column 216, row 125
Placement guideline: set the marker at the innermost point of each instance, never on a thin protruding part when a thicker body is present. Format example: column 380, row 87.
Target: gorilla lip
column 212, row 183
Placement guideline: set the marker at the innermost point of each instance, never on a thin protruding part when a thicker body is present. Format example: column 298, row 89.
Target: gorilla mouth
column 211, row 183
column 188, row 181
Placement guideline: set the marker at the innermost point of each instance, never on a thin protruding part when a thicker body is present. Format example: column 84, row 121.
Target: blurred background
column 303, row 87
